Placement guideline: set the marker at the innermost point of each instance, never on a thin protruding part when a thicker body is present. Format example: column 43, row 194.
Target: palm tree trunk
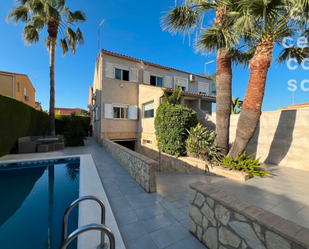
column 224, row 97
column 252, row 106
column 51, row 124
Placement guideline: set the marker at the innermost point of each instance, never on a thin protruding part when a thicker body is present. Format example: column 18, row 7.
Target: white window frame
column 157, row 76
column 119, row 67
column 181, row 78
column 200, row 82
column 121, row 106
column 148, row 142
column 143, row 108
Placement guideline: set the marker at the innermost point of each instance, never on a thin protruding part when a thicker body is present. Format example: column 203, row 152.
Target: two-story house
column 127, row 91
column 17, row 86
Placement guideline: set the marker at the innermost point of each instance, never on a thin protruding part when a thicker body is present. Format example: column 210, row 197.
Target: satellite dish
column 143, row 65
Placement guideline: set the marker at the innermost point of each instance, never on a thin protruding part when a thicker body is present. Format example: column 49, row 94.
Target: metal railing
column 73, row 204
column 94, row 226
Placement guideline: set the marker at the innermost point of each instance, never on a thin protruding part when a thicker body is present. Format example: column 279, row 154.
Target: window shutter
column 132, row 112
column 107, row 110
column 96, row 113
column 109, row 70
column 134, row 74
column 203, row 87
column 168, row 81
column 146, row 78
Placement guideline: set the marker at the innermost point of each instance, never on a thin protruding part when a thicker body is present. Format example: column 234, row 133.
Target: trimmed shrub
column 171, row 124
column 74, row 132
column 61, row 122
column 18, row 120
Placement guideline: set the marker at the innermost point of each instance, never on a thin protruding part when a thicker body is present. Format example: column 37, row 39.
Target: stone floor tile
column 132, row 231
column 168, row 206
column 157, row 222
column 143, row 242
column 286, row 209
column 158, row 197
column 126, row 218
column 181, row 203
column 185, row 223
column 133, row 190
column 169, row 235
column 146, row 212
column 187, row 243
column 178, row 214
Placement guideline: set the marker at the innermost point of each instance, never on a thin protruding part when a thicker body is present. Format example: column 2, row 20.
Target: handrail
column 89, row 227
column 73, row 204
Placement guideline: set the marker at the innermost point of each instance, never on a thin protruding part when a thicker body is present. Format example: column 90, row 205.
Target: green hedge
column 61, row 122
column 18, row 120
column 171, row 124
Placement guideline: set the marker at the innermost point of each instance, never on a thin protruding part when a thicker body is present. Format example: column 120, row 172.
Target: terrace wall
column 220, row 220
column 140, row 167
column 282, row 137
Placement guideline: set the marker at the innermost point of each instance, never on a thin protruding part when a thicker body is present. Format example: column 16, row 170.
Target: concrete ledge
column 140, row 167
column 220, row 220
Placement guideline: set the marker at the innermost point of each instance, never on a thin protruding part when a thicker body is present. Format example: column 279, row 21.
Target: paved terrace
column 160, row 220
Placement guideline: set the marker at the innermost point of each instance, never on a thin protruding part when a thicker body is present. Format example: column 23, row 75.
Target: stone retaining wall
column 220, row 221
column 140, row 167
column 189, row 165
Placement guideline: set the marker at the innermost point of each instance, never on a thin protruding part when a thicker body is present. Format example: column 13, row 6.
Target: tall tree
column 55, row 16
column 219, row 38
column 266, row 23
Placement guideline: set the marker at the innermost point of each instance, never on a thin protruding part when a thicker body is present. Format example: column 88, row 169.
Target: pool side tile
column 269, row 220
column 287, row 228
column 195, row 185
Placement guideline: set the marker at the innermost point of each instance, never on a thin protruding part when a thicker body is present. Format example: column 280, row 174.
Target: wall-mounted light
column 121, row 85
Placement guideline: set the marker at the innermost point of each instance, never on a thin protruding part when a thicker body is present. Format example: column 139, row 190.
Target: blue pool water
column 33, row 199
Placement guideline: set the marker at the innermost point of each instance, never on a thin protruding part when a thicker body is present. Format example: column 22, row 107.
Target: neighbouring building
column 127, row 91
column 67, row 111
column 295, row 107
column 17, row 86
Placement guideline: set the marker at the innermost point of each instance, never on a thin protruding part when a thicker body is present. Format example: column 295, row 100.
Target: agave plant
column 246, row 164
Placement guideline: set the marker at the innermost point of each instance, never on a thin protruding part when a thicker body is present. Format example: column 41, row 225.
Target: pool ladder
column 66, row 240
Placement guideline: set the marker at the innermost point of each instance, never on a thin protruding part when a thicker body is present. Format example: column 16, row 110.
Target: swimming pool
column 33, row 198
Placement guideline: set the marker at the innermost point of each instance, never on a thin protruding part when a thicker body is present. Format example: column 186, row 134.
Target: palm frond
column 64, row 46
column 20, row 13
column 47, row 43
column 216, row 38
column 77, row 17
column 181, row 19
column 294, row 52
column 71, row 37
column 80, row 37
column 30, row 34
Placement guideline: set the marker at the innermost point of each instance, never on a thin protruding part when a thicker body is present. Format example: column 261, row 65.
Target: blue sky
column 132, row 27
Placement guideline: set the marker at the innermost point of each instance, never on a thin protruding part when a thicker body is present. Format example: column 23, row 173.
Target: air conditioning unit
column 27, row 98
column 191, row 78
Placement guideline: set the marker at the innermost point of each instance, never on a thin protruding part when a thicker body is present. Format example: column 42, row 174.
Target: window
column 181, row 82
column 148, row 110
column 147, row 142
column 17, row 86
column 156, row 81
column 25, row 91
column 121, row 112
column 121, row 74
column 203, row 88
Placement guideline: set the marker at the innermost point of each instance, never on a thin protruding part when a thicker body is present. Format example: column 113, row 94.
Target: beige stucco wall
column 24, row 82
column 21, row 82
column 6, row 85
column 282, row 138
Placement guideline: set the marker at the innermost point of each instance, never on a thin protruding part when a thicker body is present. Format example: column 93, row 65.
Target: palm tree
column 220, row 38
column 55, row 16
column 266, row 23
